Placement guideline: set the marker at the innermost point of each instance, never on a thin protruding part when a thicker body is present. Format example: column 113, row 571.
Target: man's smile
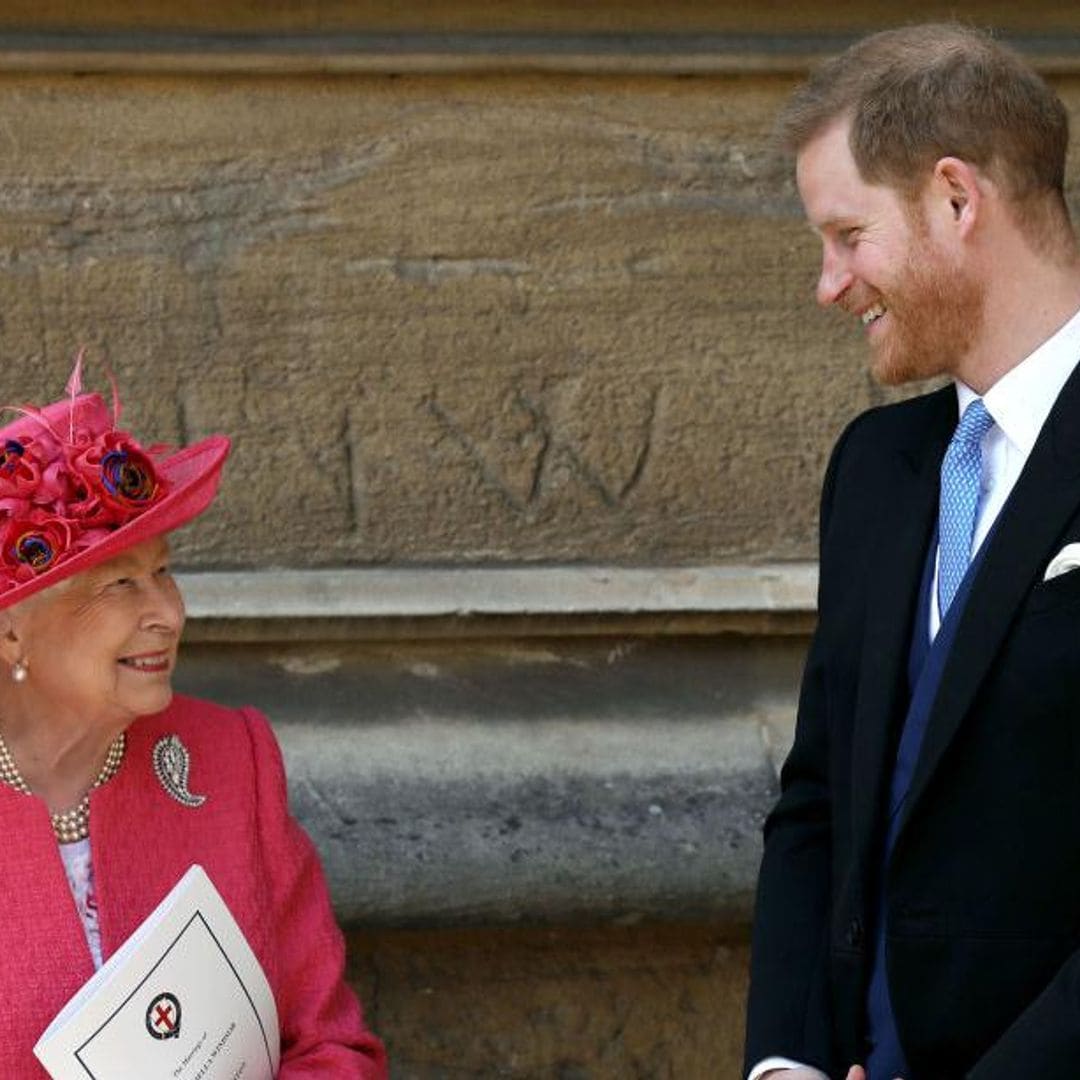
column 872, row 313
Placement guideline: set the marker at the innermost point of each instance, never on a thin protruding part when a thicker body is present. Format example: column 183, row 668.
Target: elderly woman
column 111, row 786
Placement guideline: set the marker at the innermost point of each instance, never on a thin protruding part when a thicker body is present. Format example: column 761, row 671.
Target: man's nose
column 835, row 279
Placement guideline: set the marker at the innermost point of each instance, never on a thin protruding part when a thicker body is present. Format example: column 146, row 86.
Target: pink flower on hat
column 32, row 544
column 20, row 469
column 114, row 479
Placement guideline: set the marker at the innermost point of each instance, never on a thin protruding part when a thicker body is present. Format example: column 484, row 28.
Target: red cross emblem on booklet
column 163, row 1017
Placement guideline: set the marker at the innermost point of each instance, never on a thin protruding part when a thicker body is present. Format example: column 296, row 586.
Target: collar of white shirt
column 1021, row 400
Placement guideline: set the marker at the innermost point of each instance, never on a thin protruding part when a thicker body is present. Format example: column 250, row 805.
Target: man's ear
column 956, row 193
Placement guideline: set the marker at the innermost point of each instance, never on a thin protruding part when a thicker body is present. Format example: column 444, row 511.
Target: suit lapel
column 1045, row 497
column 892, row 598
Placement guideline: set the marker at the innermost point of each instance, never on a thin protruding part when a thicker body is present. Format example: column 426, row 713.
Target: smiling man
column 918, row 911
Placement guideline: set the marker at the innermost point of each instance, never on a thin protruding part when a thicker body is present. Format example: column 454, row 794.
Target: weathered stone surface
column 449, row 320
column 650, row 1002
column 524, row 781
column 444, row 319
column 574, row 839
column 623, row 16
column 559, row 749
column 761, row 588
column 423, row 768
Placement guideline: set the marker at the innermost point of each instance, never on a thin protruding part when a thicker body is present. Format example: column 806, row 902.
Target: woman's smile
column 150, row 662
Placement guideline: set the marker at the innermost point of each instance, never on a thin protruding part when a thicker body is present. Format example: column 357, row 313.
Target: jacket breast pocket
column 1059, row 592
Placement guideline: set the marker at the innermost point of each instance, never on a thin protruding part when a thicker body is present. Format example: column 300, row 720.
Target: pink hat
column 75, row 490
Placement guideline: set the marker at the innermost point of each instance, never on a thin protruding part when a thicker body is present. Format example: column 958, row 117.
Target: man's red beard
column 935, row 312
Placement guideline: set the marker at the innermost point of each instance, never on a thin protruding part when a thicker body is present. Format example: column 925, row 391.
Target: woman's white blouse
column 80, row 874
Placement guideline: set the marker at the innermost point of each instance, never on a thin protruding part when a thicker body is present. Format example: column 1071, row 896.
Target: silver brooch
column 171, row 764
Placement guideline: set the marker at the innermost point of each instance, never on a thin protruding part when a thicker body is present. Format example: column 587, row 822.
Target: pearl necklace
column 74, row 824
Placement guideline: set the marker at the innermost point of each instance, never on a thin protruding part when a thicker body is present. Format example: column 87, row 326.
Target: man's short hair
column 921, row 93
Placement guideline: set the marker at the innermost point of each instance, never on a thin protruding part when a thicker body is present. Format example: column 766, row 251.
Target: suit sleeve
column 322, row 1027
column 788, row 1011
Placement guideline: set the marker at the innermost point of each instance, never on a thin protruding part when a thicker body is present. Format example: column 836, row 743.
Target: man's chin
column 890, row 372
column 890, row 369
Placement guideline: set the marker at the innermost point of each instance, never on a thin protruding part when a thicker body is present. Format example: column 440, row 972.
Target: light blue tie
column 961, row 470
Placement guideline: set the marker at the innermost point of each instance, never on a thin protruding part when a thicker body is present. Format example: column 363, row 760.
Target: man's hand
column 856, row 1072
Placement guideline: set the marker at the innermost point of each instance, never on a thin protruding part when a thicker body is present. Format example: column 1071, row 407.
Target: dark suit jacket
column 982, row 893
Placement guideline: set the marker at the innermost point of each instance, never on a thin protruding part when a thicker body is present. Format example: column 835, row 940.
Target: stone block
column 543, row 781
column 438, row 16
column 656, row 1002
column 444, row 319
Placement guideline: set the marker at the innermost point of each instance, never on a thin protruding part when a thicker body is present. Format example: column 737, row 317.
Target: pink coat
column 142, row 840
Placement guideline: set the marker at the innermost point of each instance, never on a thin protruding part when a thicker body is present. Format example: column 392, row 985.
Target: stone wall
column 445, row 17
column 443, row 319
column 566, row 1003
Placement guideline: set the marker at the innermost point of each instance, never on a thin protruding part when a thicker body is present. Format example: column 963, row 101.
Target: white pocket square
column 1068, row 558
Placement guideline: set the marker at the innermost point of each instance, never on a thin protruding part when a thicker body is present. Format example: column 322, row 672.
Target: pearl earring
column 19, row 671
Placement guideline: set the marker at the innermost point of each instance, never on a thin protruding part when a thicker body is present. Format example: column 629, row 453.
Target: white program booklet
column 184, row 998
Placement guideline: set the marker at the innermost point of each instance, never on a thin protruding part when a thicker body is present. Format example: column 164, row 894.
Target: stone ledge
column 639, row 53
column 503, row 601
column 444, row 823
column 521, row 781
column 498, row 590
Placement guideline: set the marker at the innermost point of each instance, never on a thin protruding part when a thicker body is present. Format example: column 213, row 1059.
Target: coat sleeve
column 322, row 1027
column 788, row 1010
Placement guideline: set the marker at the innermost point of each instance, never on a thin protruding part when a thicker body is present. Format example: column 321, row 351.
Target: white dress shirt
column 1019, row 402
